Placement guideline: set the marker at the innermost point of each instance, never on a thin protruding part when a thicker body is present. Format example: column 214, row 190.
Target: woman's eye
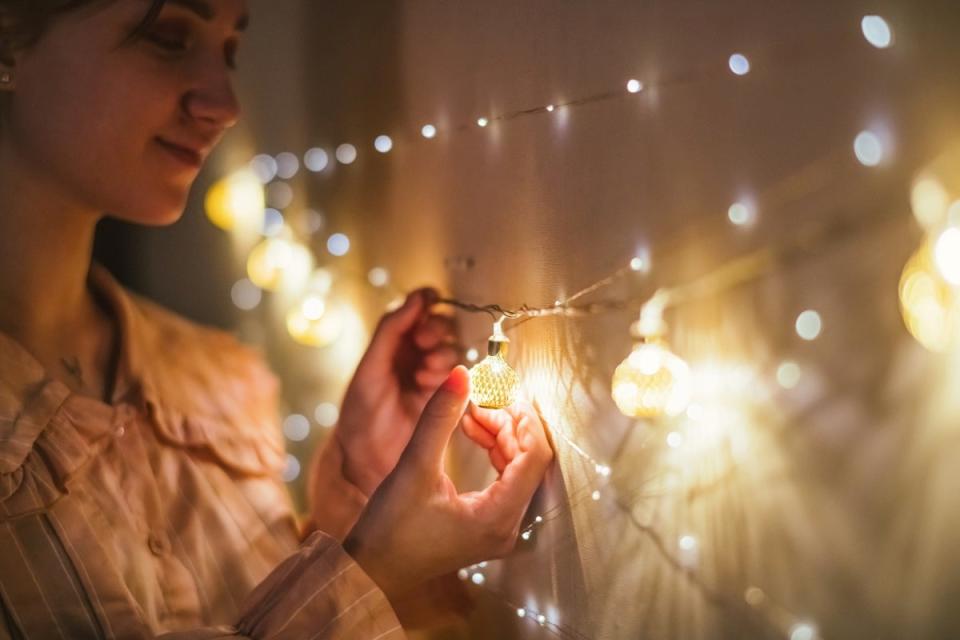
column 169, row 40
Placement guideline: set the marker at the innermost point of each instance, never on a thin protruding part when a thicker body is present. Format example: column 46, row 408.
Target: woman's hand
column 417, row 526
column 410, row 355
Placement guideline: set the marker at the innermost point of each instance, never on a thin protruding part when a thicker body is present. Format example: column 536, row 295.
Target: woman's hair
column 23, row 22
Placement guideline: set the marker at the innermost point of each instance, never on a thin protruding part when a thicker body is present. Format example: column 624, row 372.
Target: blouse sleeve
column 318, row 593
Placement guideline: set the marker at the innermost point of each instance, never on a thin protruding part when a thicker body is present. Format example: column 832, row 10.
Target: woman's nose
column 213, row 101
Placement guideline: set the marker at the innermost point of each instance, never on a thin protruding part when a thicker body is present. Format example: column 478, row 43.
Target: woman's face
column 122, row 126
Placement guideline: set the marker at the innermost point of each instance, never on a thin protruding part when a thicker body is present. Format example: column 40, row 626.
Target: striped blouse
column 163, row 512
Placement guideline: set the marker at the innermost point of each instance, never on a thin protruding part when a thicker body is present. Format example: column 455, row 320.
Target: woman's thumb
column 439, row 419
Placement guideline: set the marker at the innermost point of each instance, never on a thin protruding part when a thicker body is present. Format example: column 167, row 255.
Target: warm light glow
column 493, row 383
column 428, row 131
column 674, row 440
column 651, row 382
column 346, row 153
column 928, row 302
column 550, row 108
column 868, row 148
column 383, row 144
column 472, row 355
column 739, row 64
column 310, row 323
column 277, row 263
column 946, row 254
column 634, row 86
column 876, row 31
column 237, row 202
column 809, row 325
column 482, row 122
column 929, row 201
column 378, row 277
column 788, row 374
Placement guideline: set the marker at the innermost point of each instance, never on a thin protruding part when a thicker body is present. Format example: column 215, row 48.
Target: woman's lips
column 185, row 155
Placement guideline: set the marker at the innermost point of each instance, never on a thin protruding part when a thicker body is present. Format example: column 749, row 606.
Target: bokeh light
column 346, row 153
column 739, row 64
column 277, row 263
column 809, row 325
column 877, row 31
column 316, row 160
column 383, row 144
column 237, row 202
column 868, row 148
column 338, row 244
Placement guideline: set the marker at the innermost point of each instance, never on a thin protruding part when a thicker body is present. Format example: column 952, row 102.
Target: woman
column 139, row 490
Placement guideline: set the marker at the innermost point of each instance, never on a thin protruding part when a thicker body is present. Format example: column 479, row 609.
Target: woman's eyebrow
column 205, row 11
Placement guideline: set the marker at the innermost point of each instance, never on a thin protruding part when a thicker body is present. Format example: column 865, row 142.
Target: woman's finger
column 444, row 357
column 477, row 433
column 493, row 420
column 435, row 330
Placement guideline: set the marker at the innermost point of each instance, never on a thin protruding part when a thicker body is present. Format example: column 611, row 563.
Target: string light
column 245, row 295
column 264, row 167
column 287, row 165
column 493, row 383
column 279, row 195
column 788, row 374
column 739, row 64
column 929, row 201
column 326, row 414
column 236, row 202
column 472, row 355
column 877, row 32
column 740, row 214
column 296, row 427
column 310, row 324
column 316, row 308
column 338, row 244
column 346, row 153
column 378, row 277
column 928, row 303
column 277, row 263
column 383, row 143
column 946, row 253
column 316, row 160
column 291, row 470
column 652, row 381
column 809, row 325
column 868, row 148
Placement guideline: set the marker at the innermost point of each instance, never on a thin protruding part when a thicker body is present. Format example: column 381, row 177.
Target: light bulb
column 929, row 305
column 311, row 323
column 652, row 381
column 237, row 202
column 493, row 383
column 277, row 263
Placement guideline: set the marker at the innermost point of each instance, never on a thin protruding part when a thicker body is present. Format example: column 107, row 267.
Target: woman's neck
column 45, row 304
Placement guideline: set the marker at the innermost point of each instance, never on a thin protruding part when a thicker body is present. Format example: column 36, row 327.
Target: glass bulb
column 493, row 383
column 928, row 303
column 651, row 382
column 277, row 263
column 237, row 202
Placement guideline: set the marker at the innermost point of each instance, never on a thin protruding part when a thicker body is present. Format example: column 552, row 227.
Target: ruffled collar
column 200, row 388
